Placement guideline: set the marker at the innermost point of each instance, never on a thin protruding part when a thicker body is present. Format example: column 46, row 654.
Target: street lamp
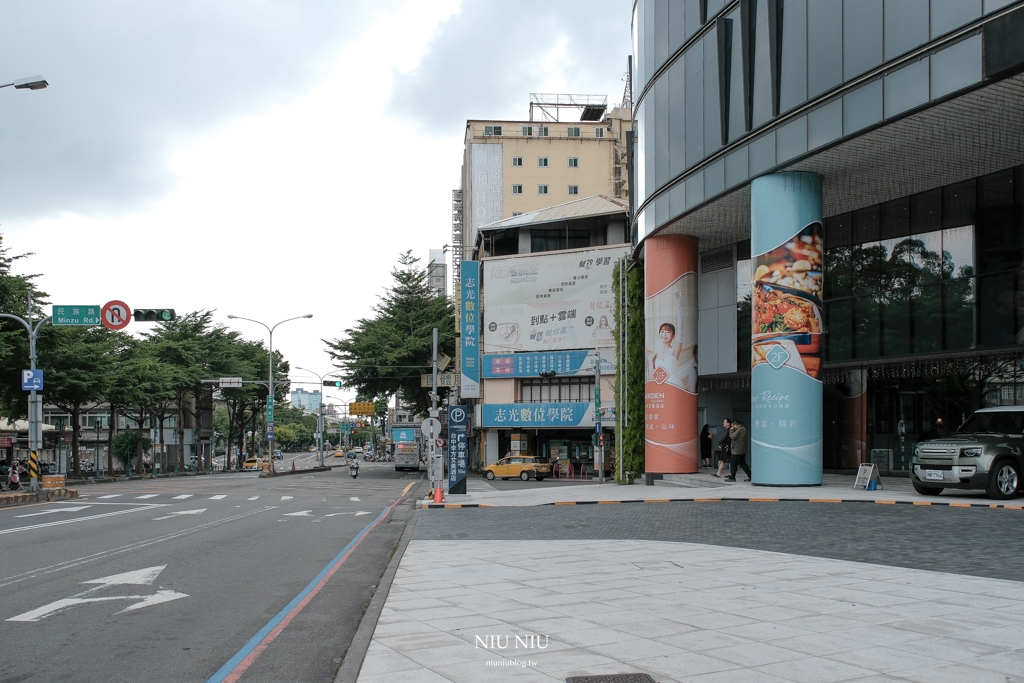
column 30, row 83
column 321, row 421
column 270, row 388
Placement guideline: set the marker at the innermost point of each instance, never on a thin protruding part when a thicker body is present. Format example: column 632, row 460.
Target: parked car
column 985, row 453
column 278, row 455
column 523, row 466
column 253, row 464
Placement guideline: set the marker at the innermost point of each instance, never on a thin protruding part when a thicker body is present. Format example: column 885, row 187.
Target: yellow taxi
column 252, row 464
column 523, row 466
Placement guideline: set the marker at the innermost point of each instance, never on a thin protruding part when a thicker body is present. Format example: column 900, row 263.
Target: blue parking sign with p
column 32, row 380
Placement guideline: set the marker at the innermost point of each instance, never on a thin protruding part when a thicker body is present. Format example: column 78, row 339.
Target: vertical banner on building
column 786, row 392
column 670, row 389
column 470, row 308
column 458, row 428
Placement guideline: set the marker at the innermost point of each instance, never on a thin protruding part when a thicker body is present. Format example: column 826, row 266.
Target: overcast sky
column 266, row 158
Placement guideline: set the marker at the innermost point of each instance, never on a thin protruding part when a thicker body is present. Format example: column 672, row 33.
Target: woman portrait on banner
column 675, row 350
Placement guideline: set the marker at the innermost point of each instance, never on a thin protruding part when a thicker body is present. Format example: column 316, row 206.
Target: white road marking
column 112, row 495
column 301, row 513
column 139, row 577
column 286, row 497
column 43, row 525
column 183, row 496
column 181, row 512
column 252, row 498
column 218, row 497
column 148, row 495
column 355, row 499
column 361, row 513
column 50, row 512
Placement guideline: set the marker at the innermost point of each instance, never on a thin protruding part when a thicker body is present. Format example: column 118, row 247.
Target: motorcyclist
column 353, row 468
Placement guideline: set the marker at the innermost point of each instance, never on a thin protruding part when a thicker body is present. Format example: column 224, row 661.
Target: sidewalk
column 702, row 486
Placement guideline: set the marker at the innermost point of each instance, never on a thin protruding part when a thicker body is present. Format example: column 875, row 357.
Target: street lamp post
column 320, row 423
column 96, row 451
column 270, row 379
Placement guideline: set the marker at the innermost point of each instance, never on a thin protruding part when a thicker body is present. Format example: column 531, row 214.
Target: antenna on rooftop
column 549, row 106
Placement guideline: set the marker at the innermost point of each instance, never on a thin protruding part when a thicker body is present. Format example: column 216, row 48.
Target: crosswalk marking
column 286, row 497
column 218, row 497
column 183, row 496
column 148, row 495
column 253, row 498
column 112, row 495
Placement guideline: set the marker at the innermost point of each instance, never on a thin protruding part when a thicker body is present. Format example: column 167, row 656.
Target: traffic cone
column 438, row 494
column 293, row 465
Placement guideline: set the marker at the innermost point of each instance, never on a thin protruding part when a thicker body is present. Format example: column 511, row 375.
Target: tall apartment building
column 437, row 272
column 515, row 167
column 306, row 400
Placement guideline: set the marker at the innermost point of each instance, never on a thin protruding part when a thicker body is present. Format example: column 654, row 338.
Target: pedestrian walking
column 738, row 439
column 705, row 446
column 723, row 446
column 554, row 469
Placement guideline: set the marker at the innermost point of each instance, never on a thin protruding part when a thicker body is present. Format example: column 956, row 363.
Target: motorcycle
column 353, row 469
column 13, row 481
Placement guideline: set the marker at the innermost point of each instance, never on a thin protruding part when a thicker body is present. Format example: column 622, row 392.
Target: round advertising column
column 670, row 388
column 786, row 290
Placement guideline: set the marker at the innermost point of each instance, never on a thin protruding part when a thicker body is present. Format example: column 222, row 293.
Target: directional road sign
column 116, row 315
column 230, row 382
column 270, row 410
column 32, row 380
column 76, row 315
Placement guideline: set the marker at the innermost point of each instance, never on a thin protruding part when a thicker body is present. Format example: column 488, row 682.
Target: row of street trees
column 145, row 378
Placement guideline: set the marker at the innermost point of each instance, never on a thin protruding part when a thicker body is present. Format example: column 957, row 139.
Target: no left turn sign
column 115, row 315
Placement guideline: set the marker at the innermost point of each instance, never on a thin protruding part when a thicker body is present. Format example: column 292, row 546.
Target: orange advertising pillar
column 670, row 388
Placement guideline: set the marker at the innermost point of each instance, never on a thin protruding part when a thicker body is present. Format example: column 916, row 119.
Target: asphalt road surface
column 168, row 580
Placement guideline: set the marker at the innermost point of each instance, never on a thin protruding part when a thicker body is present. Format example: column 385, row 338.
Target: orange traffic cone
column 438, row 494
column 293, row 465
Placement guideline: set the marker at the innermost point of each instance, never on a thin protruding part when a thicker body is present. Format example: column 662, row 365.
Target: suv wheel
column 525, row 476
column 489, row 475
column 1003, row 480
column 926, row 491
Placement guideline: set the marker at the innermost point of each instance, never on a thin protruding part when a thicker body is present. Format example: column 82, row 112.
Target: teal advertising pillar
column 786, row 289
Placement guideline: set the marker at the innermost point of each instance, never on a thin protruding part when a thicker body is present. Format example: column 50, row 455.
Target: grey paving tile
column 815, row 670
column 958, row 673
column 684, row 664
column 381, row 659
column 754, row 654
column 704, row 639
column 888, row 661
column 626, row 650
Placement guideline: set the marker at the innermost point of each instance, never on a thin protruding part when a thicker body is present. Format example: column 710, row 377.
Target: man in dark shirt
column 738, row 437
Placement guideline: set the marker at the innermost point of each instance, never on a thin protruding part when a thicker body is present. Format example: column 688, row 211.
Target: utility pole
column 598, row 436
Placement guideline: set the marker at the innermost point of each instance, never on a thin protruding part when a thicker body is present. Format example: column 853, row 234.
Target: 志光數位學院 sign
column 76, row 315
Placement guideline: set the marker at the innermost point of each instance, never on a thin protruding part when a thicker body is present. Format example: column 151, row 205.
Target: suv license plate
column 933, row 475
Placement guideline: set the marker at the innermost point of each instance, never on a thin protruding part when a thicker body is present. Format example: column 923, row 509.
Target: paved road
column 211, row 560
column 977, row 541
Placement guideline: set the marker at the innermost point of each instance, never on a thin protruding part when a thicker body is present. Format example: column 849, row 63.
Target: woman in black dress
column 705, row 446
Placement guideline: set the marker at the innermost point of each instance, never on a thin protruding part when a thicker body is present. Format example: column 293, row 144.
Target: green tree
column 14, row 294
column 629, row 419
column 77, row 362
column 385, row 355
column 140, row 383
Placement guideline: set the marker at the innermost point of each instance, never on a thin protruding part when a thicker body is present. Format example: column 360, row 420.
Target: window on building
column 557, row 390
column 574, row 162
column 574, row 189
column 527, row 131
column 574, row 131
column 599, row 132
column 542, row 162
column 517, row 213
column 542, row 189
column 517, row 189
column 542, row 131
column 517, row 161
column 492, row 130
column 553, row 240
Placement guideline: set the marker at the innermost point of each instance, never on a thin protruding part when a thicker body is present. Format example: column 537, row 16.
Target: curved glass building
column 845, row 177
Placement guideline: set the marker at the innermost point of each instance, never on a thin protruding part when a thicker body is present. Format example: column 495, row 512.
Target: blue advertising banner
column 786, row 391
column 570, row 414
column 403, row 435
column 469, row 287
column 565, row 363
column 458, row 428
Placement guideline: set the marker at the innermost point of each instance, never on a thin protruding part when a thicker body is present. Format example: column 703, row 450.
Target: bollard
column 293, row 465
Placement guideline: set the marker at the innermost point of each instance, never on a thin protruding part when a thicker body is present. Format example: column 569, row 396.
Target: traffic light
column 154, row 315
column 332, row 383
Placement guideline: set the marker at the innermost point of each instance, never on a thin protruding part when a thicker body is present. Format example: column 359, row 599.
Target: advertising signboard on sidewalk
column 458, row 427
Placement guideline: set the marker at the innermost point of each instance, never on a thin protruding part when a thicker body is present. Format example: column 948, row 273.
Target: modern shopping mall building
column 830, row 209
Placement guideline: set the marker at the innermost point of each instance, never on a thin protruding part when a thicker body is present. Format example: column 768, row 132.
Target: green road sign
column 77, row 315
column 346, row 427
column 270, row 409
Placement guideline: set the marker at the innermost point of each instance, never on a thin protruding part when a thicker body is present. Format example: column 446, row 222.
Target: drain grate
column 612, row 678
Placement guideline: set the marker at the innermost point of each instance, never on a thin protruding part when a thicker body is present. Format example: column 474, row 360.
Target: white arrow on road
column 181, row 512
column 139, row 577
column 50, row 512
column 301, row 513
